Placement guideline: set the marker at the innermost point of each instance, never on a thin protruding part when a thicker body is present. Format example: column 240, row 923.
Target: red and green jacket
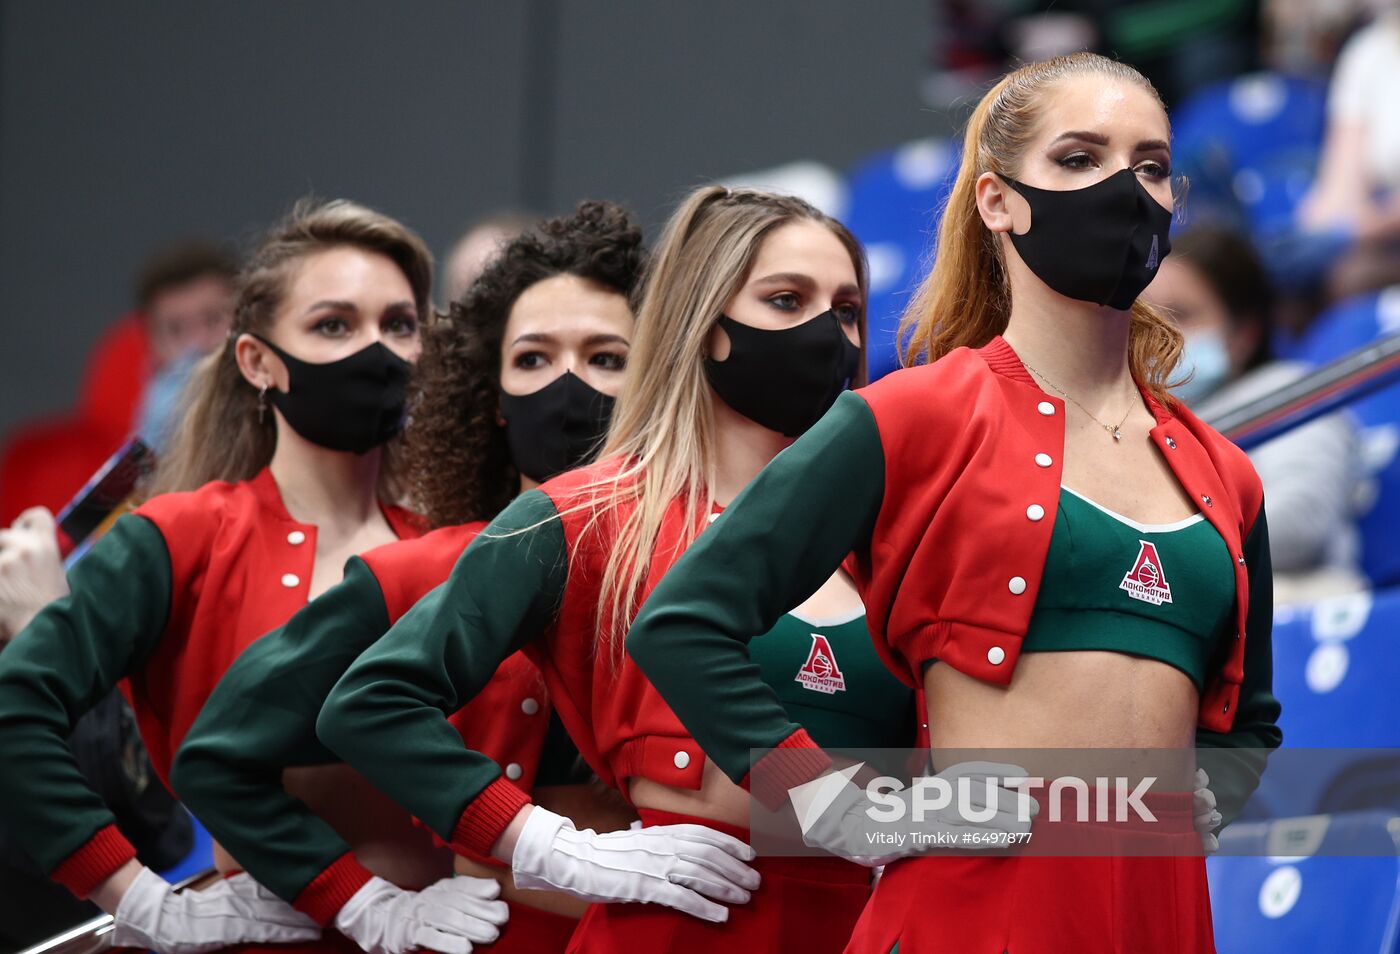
column 262, row 717
column 937, row 478
column 162, row 604
column 529, row 582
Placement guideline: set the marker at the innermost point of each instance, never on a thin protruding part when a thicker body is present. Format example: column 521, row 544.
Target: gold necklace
column 1114, row 430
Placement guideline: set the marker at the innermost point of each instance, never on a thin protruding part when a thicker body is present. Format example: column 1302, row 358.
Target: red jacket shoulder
column 1233, row 465
column 422, row 555
column 190, row 516
column 583, row 485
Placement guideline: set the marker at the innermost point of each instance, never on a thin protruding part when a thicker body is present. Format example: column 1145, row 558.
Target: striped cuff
column 487, row 816
column 791, row 762
column 96, row 860
column 327, row 893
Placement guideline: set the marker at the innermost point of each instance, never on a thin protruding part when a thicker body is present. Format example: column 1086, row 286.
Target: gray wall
column 125, row 124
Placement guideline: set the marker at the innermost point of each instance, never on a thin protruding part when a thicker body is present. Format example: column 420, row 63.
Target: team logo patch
column 1146, row 581
column 820, row 672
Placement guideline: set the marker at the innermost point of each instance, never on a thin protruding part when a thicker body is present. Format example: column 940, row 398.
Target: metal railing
column 95, row 935
column 1348, row 378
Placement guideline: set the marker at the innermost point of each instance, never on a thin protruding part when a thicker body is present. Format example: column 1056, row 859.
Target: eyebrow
column 598, row 339
column 333, row 305
column 805, row 281
column 1147, row 145
column 786, row 278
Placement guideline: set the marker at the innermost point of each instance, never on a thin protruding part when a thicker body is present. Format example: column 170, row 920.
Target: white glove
column 448, row 916
column 838, row 816
column 679, row 866
column 237, row 910
column 1207, row 819
column 31, row 571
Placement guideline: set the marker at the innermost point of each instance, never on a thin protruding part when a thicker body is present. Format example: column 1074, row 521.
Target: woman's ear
column 258, row 365
column 1001, row 207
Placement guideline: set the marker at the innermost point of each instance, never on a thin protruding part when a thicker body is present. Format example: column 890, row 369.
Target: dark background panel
column 124, row 125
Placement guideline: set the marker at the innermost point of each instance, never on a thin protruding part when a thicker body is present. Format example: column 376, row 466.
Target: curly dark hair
column 456, row 449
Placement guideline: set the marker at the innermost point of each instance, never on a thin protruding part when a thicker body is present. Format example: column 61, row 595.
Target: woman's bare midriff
column 717, row 798
column 1068, row 700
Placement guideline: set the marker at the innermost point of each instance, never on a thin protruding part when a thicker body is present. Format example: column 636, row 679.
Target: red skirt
column 532, row 931
column 1121, row 899
column 802, row 906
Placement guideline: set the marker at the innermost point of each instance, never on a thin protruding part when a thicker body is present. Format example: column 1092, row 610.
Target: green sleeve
column 260, row 719
column 60, row 666
column 387, row 716
column 1235, row 760
column 774, row 546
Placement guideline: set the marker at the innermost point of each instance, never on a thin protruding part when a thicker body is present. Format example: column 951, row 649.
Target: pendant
column 1117, row 434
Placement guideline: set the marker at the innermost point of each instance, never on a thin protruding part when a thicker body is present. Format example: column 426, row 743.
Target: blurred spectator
column 1357, row 191
column 185, row 292
column 184, row 297
column 478, row 245
column 1219, row 294
column 31, row 572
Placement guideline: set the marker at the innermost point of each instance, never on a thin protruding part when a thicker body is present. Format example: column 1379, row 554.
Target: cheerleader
column 284, row 467
column 1057, row 552
column 749, row 327
column 515, row 385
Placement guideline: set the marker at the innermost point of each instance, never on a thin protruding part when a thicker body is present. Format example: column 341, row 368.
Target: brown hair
column 183, row 262
column 966, row 299
column 662, row 427
column 221, row 436
column 1227, row 262
column 458, row 461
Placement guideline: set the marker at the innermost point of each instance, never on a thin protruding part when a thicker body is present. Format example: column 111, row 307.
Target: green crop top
column 1162, row 591
column 830, row 680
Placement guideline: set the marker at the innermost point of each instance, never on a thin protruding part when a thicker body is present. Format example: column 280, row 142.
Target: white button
column 1046, row 408
column 996, row 655
column 529, row 707
column 514, row 771
column 682, row 759
column 1017, row 585
column 1035, row 511
column 1043, row 460
column 291, row 580
column 296, row 538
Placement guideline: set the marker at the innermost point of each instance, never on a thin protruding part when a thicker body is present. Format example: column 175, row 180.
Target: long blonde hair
column 663, row 430
column 223, row 436
column 966, row 299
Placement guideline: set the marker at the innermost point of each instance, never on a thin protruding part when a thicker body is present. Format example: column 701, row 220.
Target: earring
column 262, row 404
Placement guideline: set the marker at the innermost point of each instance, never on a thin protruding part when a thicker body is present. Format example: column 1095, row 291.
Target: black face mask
column 557, row 427
column 1101, row 244
column 354, row 404
column 785, row 380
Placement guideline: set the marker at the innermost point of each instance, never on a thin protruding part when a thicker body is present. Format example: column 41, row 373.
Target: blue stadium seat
column 1335, row 673
column 895, row 200
column 1250, row 147
column 200, row 858
column 1326, row 883
column 1343, row 328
